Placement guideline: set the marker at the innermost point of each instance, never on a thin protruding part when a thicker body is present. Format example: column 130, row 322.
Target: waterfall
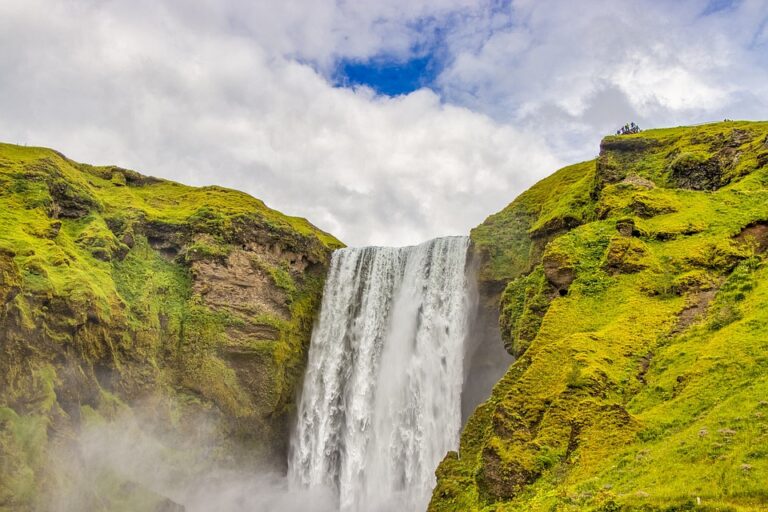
column 381, row 402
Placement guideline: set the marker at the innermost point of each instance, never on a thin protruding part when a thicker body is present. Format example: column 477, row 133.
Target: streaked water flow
column 381, row 402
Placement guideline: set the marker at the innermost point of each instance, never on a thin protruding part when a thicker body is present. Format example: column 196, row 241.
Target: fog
column 134, row 464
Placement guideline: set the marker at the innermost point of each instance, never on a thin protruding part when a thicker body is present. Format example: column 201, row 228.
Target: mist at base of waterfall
column 123, row 465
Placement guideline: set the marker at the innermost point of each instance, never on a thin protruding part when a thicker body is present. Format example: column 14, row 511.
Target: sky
column 382, row 122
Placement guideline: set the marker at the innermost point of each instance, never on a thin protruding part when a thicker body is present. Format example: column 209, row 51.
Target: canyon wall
column 634, row 294
column 121, row 295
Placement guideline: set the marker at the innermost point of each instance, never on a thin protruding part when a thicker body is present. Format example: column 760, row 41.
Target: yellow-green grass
column 91, row 306
column 644, row 386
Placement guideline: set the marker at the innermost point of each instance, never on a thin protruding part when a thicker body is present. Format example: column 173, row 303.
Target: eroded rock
column 638, row 182
column 755, row 236
column 559, row 268
column 626, row 256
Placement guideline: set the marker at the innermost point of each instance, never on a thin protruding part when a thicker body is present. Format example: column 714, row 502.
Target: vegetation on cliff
column 120, row 291
column 636, row 302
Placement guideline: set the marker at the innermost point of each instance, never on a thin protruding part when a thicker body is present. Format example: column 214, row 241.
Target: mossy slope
column 120, row 291
column 636, row 301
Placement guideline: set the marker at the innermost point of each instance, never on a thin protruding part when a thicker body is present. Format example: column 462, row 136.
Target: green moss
column 152, row 287
column 205, row 248
column 511, row 241
column 523, row 305
column 118, row 179
column 627, row 255
column 644, row 386
column 105, row 293
column 726, row 308
column 291, row 352
column 280, row 275
column 23, row 440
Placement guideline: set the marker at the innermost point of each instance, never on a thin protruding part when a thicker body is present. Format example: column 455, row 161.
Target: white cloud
column 556, row 64
column 649, row 83
column 170, row 97
column 237, row 93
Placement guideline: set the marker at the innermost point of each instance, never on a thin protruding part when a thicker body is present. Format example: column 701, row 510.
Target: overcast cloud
column 240, row 93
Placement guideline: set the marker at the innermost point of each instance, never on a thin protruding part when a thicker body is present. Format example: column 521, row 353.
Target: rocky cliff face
column 635, row 296
column 123, row 294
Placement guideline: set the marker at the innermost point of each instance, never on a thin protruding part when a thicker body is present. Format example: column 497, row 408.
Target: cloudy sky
column 383, row 122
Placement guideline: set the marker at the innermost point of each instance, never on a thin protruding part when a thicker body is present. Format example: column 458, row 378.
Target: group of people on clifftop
column 628, row 129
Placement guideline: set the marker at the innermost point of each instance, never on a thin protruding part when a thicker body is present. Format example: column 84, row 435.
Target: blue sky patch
column 715, row 6
column 394, row 75
column 388, row 76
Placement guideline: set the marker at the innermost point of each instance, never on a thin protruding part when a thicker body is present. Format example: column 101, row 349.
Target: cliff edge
column 122, row 294
column 635, row 298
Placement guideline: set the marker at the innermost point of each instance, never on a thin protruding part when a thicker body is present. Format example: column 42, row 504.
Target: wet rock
column 625, row 227
column 647, row 205
column 53, row 229
column 694, row 310
column 238, row 285
column 638, row 182
column 165, row 238
column 128, row 239
column 559, row 269
column 69, row 202
column 608, row 170
column 754, row 236
column 762, row 160
column 625, row 256
column 738, row 138
column 118, row 179
column 101, row 253
column 615, row 153
column 503, row 479
column 627, row 144
column 696, row 172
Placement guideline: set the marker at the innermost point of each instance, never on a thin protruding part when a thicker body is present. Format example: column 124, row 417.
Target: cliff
column 124, row 294
column 635, row 298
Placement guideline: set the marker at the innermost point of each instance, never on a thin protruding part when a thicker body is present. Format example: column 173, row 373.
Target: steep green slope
column 124, row 294
column 636, row 300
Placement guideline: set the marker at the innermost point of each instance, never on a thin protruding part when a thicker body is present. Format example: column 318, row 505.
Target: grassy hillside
column 121, row 292
column 636, row 301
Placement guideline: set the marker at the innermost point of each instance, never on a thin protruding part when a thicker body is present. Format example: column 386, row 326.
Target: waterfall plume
column 381, row 402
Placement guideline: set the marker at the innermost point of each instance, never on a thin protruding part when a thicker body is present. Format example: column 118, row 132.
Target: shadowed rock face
column 239, row 283
column 559, row 269
column 136, row 295
column 486, row 360
column 694, row 173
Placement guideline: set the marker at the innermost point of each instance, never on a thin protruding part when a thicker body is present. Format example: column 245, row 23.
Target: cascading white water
column 381, row 403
